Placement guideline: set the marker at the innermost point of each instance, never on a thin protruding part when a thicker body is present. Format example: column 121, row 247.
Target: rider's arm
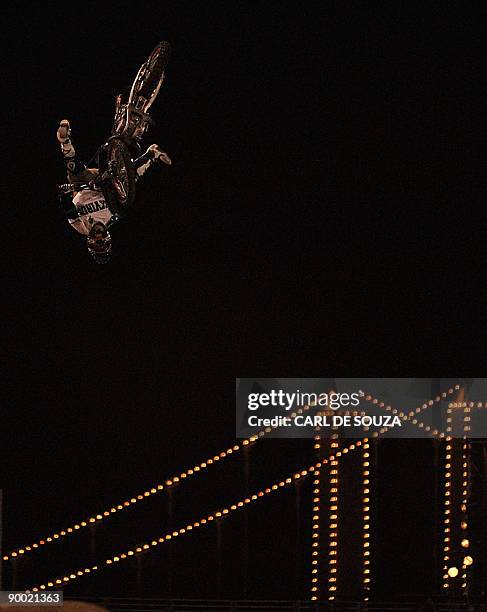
column 79, row 226
column 68, row 207
column 71, row 214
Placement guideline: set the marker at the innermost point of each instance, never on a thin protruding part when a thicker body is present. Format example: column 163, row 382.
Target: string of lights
column 366, row 519
column 466, row 560
column 97, row 518
column 333, row 521
column 315, row 527
column 190, row 527
column 412, row 414
column 149, row 492
column 448, row 572
column 465, row 522
column 315, row 469
column 177, row 479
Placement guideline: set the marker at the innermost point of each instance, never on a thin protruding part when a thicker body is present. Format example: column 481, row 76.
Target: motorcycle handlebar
column 72, row 187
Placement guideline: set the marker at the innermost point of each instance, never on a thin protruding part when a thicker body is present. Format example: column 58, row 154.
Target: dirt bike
column 116, row 171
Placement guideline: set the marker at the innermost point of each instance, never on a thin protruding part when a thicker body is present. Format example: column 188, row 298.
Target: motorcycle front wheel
column 149, row 78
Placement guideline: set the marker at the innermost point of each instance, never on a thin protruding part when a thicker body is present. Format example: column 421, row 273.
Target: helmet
column 99, row 243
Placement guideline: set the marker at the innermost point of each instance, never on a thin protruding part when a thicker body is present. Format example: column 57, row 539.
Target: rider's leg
column 77, row 170
column 152, row 156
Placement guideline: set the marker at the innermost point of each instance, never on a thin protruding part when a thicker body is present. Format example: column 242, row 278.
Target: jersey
column 91, row 207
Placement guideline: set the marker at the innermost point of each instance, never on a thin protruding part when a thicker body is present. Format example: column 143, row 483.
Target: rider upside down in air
column 102, row 195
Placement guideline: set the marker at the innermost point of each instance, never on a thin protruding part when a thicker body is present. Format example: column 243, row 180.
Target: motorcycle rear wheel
column 122, row 176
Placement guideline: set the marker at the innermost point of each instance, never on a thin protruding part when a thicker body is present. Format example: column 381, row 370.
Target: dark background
column 321, row 218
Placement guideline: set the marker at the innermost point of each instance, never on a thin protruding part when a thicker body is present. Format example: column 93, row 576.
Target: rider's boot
column 153, row 155
column 75, row 167
column 63, row 135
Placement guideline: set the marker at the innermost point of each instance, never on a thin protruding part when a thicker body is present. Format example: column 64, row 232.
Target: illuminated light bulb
column 465, row 543
column 467, row 560
column 463, row 525
column 453, row 572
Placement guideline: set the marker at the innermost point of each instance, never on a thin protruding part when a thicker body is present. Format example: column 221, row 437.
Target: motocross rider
column 88, row 212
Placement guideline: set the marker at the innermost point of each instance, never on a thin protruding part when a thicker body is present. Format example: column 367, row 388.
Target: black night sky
column 319, row 219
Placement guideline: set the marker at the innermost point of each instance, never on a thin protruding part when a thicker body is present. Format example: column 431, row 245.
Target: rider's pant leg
column 76, row 168
column 78, row 172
